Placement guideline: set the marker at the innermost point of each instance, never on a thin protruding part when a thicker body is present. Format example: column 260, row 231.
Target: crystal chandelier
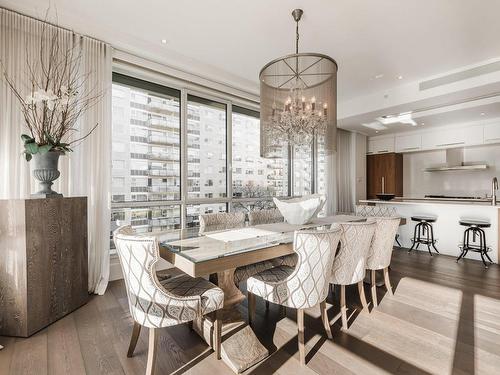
column 298, row 96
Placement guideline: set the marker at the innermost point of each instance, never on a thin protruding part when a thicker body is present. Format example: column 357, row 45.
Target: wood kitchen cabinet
column 384, row 174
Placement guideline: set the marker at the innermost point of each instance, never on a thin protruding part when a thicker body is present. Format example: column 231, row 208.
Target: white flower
column 30, row 99
column 39, row 96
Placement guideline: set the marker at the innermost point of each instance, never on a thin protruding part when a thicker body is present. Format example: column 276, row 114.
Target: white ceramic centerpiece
column 299, row 211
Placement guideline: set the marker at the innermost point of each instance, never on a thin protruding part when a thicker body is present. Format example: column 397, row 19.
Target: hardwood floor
column 444, row 318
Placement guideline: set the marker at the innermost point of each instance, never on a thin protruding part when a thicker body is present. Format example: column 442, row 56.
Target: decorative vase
column 45, row 170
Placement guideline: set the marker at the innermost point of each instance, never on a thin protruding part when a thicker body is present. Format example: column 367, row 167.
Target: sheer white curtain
column 345, row 166
column 86, row 171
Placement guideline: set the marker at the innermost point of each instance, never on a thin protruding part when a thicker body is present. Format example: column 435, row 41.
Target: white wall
column 417, row 183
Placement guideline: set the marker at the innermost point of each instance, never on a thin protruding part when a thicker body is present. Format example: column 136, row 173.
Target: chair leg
column 374, row 288
column 324, row 318
column 153, row 340
column 300, row 326
column 267, row 305
column 282, row 310
column 387, row 281
column 217, row 335
column 133, row 340
column 343, row 308
column 251, row 308
column 362, row 297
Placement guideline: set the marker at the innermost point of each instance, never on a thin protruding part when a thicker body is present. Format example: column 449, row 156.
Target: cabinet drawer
column 380, row 145
column 443, row 139
column 492, row 133
column 408, row 143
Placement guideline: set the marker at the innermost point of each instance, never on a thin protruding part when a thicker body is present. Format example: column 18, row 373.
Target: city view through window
column 147, row 159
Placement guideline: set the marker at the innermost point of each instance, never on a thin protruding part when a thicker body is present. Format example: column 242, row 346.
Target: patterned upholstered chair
column 379, row 255
column 304, row 286
column 258, row 217
column 375, row 211
column 268, row 217
column 221, row 221
column 378, row 211
column 265, row 217
column 156, row 305
column 350, row 262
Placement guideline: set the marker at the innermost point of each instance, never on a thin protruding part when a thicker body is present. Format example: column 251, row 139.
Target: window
column 150, row 164
column 272, row 176
column 302, row 170
column 193, row 212
column 206, row 120
column 146, row 150
column 119, row 164
column 147, row 219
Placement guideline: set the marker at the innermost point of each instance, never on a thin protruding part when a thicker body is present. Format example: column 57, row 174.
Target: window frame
column 229, row 101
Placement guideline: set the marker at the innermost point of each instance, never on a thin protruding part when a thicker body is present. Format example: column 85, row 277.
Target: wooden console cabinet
column 43, row 262
column 384, row 172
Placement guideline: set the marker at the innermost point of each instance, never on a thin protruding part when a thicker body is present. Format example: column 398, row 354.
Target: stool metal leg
column 433, row 240
column 463, row 248
column 414, row 238
column 419, row 235
column 486, row 246
column 427, row 231
column 484, row 261
column 397, row 240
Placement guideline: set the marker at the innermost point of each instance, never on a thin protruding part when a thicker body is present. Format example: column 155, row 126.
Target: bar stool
column 424, row 233
column 475, row 227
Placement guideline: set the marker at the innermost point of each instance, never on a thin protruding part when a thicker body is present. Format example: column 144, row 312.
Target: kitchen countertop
column 447, row 201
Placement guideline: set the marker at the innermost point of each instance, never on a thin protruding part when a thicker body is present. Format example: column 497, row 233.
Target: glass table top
column 216, row 243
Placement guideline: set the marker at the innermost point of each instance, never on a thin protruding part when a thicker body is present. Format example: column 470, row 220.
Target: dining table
column 216, row 253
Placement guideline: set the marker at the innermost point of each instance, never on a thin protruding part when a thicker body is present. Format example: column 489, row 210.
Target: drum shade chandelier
column 298, row 95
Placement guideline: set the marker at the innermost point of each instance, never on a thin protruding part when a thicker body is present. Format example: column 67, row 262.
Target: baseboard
column 115, row 270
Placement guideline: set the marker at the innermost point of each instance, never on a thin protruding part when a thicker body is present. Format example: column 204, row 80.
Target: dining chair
column 221, row 221
column 259, row 217
column 349, row 266
column 154, row 304
column 377, row 211
column 301, row 287
column 380, row 252
column 270, row 216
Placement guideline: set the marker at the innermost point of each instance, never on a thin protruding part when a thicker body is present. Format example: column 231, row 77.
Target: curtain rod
column 52, row 24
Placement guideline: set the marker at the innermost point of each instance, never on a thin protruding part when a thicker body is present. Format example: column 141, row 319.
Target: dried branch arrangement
column 56, row 94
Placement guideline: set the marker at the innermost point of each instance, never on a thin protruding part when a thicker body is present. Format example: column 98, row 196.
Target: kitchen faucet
column 494, row 188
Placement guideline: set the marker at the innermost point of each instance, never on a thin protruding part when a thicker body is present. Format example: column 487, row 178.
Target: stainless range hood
column 455, row 162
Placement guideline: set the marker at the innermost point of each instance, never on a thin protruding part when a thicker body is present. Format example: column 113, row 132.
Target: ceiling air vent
column 459, row 76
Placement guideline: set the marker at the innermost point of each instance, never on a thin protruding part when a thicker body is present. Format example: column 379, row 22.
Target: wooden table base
column 240, row 349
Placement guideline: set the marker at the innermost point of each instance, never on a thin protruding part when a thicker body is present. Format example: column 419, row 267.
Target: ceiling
column 229, row 41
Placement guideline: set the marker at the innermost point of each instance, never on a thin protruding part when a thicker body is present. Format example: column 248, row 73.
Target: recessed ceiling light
column 378, row 76
column 164, row 41
column 404, row 118
column 422, row 123
column 482, row 113
column 400, row 77
column 375, row 125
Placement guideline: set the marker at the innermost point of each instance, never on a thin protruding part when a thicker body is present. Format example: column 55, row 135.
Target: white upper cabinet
column 408, row 143
column 492, row 133
column 380, row 145
column 439, row 138
column 447, row 138
column 474, row 135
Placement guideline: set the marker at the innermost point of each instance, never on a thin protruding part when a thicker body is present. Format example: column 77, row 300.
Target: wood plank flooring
column 444, row 318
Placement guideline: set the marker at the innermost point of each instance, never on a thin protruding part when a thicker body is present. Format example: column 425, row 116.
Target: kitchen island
column 447, row 230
